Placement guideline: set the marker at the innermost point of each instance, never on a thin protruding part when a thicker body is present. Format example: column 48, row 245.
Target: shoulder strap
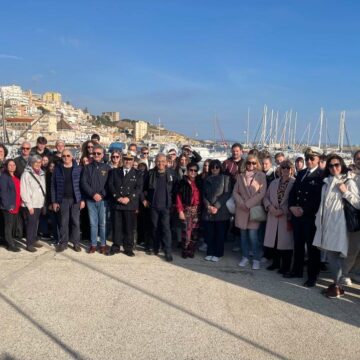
column 41, row 188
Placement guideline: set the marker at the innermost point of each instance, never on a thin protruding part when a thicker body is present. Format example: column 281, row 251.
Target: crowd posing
column 301, row 214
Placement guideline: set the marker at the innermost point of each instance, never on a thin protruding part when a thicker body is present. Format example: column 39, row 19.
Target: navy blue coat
column 7, row 192
column 57, row 183
column 94, row 178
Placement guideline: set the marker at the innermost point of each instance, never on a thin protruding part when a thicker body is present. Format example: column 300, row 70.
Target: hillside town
column 28, row 114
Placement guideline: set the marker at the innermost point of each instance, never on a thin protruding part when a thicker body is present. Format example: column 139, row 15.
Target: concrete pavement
column 80, row 306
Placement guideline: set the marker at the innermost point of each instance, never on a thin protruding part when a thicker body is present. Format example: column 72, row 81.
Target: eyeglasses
column 89, row 146
column 97, row 153
column 66, row 156
column 115, row 157
column 251, row 163
column 192, row 170
column 25, row 148
column 145, row 153
column 286, row 167
column 311, row 158
column 336, row 165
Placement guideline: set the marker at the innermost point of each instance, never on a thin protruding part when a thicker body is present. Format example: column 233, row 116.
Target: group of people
column 291, row 213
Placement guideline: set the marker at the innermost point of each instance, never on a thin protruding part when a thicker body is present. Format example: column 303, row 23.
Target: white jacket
column 31, row 194
column 331, row 233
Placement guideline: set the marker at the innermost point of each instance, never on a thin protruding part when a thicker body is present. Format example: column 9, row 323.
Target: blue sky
column 187, row 61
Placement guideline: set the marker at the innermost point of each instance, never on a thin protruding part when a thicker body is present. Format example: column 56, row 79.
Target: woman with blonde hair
column 279, row 234
column 248, row 192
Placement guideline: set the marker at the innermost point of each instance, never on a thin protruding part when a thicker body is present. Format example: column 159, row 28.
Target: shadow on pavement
column 41, row 328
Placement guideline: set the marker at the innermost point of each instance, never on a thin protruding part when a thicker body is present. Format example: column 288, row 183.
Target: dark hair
column 323, row 157
column 191, row 165
column 279, row 154
column 344, row 169
column 300, row 158
column 254, row 152
column 6, row 163
column 182, row 155
column 41, row 140
column 5, row 149
column 214, row 163
column 84, row 149
column 267, row 157
column 95, row 137
column 235, row 145
column 356, row 153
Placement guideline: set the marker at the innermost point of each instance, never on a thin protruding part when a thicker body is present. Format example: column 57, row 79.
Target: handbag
column 230, row 204
column 257, row 213
column 352, row 217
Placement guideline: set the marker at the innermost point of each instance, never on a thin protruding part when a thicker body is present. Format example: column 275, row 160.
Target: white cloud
column 70, row 41
column 11, row 57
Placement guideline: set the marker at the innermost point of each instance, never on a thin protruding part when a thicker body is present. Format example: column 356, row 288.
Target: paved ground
column 80, row 306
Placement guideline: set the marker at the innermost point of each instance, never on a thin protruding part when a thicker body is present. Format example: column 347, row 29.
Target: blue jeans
column 250, row 236
column 97, row 221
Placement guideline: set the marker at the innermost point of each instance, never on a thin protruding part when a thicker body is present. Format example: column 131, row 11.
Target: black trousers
column 69, row 222
column 160, row 220
column 281, row 258
column 31, row 225
column 304, row 232
column 144, row 226
column 123, row 229
column 10, row 222
column 215, row 234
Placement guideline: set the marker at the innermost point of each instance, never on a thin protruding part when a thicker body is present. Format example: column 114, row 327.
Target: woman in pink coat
column 249, row 191
column 279, row 234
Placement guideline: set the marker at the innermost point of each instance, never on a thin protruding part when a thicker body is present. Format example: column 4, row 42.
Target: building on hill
column 141, row 129
column 52, row 97
column 112, row 115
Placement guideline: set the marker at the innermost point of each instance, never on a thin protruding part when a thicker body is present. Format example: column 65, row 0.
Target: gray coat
column 216, row 191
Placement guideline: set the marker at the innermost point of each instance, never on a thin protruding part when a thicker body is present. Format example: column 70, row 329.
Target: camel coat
column 250, row 196
column 278, row 225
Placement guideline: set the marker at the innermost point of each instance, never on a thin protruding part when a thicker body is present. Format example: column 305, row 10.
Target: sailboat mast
column 248, row 128
column 321, row 125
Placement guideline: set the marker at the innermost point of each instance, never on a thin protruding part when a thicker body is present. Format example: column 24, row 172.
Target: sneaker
column 263, row 260
column 236, row 249
column 256, row 265
column 215, row 259
column 244, row 262
column 345, row 281
column 208, row 258
column 203, row 247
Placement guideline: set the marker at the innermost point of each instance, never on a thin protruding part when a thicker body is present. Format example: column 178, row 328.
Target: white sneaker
column 215, row 259
column 208, row 258
column 345, row 281
column 203, row 247
column 236, row 249
column 256, row 265
column 244, row 262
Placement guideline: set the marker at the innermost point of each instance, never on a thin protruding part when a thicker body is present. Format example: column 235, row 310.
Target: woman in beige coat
column 279, row 234
column 249, row 191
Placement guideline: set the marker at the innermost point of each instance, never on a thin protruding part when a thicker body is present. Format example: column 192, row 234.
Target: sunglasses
column 25, row 148
column 89, row 146
column 97, row 153
column 286, row 167
column 145, row 153
column 311, row 158
column 215, row 167
column 66, row 156
column 336, row 165
column 251, row 163
column 115, row 157
column 192, row 170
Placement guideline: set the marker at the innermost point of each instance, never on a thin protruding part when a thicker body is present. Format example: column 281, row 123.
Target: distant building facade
column 112, row 115
column 141, row 129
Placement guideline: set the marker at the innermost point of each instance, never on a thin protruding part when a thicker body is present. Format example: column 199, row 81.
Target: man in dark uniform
column 125, row 186
column 304, row 201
